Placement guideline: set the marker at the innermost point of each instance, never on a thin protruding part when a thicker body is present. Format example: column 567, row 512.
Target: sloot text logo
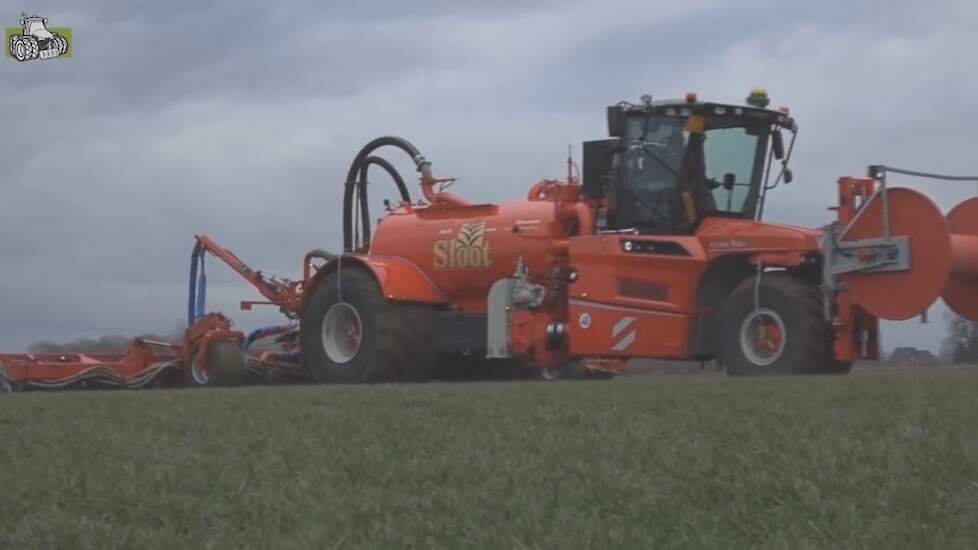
column 469, row 250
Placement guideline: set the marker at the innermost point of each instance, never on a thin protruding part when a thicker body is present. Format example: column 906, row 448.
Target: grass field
column 878, row 460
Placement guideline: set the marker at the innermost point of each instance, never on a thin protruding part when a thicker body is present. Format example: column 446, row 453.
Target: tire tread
column 790, row 295
column 404, row 332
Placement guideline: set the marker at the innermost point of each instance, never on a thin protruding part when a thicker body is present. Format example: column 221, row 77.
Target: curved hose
column 362, row 189
column 358, row 167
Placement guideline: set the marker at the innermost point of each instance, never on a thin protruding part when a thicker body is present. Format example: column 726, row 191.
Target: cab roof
column 683, row 108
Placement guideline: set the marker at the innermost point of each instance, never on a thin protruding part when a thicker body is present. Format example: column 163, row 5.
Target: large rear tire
column 349, row 333
column 62, row 44
column 784, row 332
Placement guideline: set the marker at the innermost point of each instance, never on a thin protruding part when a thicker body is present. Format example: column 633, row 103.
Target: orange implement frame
column 283, row 293
column 143, row 363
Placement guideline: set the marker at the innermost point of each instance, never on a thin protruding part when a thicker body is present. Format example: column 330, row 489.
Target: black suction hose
column 358, row 168
column 362, row 188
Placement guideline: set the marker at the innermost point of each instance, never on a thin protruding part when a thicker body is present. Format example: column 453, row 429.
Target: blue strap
column 201, row 291
column 197, row 295
column 192, row 287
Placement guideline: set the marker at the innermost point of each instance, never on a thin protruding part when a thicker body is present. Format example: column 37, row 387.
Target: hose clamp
column 420, row 161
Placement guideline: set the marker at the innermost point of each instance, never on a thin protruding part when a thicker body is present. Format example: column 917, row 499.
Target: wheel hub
column 763, row 336
column 552, row 373
column 198, row 370
column 342, row 333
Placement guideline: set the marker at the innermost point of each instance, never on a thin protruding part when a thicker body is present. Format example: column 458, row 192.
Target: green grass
column 876, row 461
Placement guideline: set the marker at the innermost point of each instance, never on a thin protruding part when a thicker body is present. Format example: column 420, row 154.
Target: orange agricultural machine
column 655, row 248
column 656, row 251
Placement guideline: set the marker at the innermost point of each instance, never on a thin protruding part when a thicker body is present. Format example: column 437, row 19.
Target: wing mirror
column 729, row 180
column 616, row 121
column 777, row 144
column 788, row 177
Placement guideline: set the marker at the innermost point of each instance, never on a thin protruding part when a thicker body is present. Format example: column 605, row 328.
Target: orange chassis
column 622, row 295
column 551, row 288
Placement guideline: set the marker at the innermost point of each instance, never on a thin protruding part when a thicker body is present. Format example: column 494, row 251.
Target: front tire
column 349, row 333
column 32, row 47
column 784, row 332
column 223, row 366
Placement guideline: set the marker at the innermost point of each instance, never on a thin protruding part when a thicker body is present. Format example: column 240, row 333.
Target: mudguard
column 399, row 279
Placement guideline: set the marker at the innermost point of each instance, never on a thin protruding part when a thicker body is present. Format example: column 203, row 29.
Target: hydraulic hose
column 358, row 169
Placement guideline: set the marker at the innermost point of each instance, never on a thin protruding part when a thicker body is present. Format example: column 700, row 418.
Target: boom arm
column 280, row 292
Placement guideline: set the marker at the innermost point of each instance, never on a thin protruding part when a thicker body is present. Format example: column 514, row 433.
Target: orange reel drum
column 961, row 292
column 943, row 257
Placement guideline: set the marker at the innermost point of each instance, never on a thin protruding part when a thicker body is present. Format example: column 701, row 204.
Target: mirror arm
column 777, row 144
column 784, row 163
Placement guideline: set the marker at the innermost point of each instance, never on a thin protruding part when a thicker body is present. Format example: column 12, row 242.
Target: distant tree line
column 961, row 343
column 105, row 344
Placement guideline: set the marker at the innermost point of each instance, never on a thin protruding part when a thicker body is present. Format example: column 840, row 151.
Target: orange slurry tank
column 463, row 250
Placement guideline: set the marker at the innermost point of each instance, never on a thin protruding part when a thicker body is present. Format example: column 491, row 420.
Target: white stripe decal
column 599, row 305
column 628, row 340
column 621, row 325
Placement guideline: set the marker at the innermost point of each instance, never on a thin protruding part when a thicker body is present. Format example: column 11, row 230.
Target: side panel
column 598, row 329
column 633, row 303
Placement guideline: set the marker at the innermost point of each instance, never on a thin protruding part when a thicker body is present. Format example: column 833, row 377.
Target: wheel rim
column 552, row 373
column 21, row 51
column 342, row 333
column 763, row 336
column 198, row 370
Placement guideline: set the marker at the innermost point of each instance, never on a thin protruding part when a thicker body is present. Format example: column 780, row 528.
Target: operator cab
column 669, row 164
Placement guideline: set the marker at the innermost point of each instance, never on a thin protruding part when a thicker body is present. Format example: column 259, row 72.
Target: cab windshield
column 654, row 148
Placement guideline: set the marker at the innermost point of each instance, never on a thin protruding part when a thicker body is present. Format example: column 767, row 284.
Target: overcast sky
column 176, row 118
